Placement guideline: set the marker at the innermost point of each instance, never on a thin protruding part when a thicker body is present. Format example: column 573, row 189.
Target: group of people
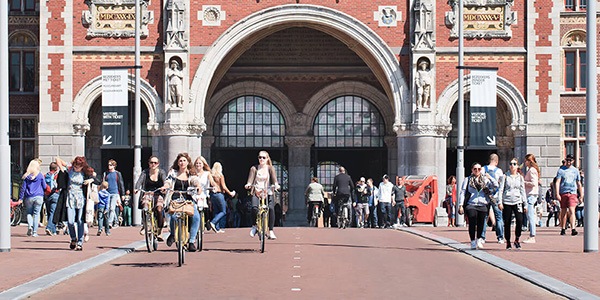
column 489, row 194
column 374, row 207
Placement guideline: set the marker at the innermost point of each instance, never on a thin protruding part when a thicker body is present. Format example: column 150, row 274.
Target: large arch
column 92, row 90
column 505, row 90
column 357, row 35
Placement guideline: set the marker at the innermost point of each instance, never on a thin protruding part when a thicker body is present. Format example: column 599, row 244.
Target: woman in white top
column 260, row 178
column 512, row 201
column 217, row 198
column 532, row 178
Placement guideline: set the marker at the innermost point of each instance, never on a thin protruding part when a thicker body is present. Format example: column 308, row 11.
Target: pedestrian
column 513, row 201
column 32, row 194
column 342, row 192
column 103, row 208
column 385, row 201
column 474, row 200
column 569, row 191
column 400, row 195
column 532, row 181
column 552, row 205
column 154, row 179
column 217, row 197
column 116, row 188
column 450, row 200
column 580, row 209
column 127, row 208
column 314, row 195
column 373, row 202
column 361, row 203
column 51, row 196
column 495, row 214
column 80, row 176
column 261, row 178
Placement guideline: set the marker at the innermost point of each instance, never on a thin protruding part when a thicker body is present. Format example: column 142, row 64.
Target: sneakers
column 48, row 232
column 501, row 241
column 107, row 233
column 473, row 245
column 142, row 231
column 562, row 231
column 480, row 243
column 72, row 245
column 574, row 232
column 213, row 227
column 530, row 240
column 220, row 231
column 508, row 246
column 29, row 231
column 99, row 233
column 86, row 237
column 79, row 247
column 272, row 235
column 517, row 245
column 253, row 231
column 170, row 240
column 191, row 247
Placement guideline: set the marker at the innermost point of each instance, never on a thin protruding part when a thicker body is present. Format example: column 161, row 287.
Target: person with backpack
column 116, row 188
column 51, row 196
column 32, row 194
column 495, row 214
column 473, row 201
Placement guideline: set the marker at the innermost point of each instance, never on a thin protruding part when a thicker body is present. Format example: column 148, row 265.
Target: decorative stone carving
column 80, row 129
column 387, row 16
column 423, row 83
column 211, row 15
column 424, row 24
column 299, row 141
column 176, row 24
column 175, row 80
column 482, row 18
column 115, row 18
column 424, row 130
column 183, row 129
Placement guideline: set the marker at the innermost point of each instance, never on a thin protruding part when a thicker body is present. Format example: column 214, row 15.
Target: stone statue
column 423, row 24
column 423, row 82
column 175, row 80
column 176, row 23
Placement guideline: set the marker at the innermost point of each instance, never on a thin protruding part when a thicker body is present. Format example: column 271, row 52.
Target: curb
column 542, row 280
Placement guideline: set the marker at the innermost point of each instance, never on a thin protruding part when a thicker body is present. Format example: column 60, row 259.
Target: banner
column 482, row 126
column 115, row 116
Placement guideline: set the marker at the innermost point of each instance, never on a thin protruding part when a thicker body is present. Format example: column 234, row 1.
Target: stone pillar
column 181, row 137
column 207, row 142
column 392, row 155
column 78, row 145
column 298, row 170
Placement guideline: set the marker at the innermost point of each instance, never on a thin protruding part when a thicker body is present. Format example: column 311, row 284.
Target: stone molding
column 80, row 129
column 299, row 141
column 23, row 20
column 424, row 130
column 169, row 129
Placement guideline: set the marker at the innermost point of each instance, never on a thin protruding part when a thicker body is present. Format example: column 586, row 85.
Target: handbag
column 186, row 207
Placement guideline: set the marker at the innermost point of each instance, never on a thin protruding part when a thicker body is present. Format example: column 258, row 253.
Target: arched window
column 22, row 57
column 282, row 175
column 249, row 122
column 326, row 171
column 349, row 121
column 574, row 61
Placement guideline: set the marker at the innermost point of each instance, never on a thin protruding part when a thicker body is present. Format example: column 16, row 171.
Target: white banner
column 483, row 88
column 114, row 87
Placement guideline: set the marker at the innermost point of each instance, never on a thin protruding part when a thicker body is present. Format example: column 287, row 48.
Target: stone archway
column 357, row 35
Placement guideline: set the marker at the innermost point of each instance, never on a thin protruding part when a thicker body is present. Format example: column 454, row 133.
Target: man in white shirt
column 385, row 200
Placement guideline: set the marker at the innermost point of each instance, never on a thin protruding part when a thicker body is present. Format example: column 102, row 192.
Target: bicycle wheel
column 344, row 217
column 147, row 231
column 265, row 227
column 180, row 251
column 200, row 235
column 16, row 213
column 154, row 233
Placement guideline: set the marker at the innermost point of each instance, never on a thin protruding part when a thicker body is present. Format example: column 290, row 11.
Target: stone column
column 181, row 137
column 78, row 146
column 298, row 170
column 207, row 142
column 392, row 155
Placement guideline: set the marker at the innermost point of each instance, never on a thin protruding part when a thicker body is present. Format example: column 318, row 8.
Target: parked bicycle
column 16, row 212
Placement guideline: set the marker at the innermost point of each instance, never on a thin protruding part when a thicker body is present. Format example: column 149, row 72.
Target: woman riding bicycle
column 261, row 176
column 179, row 179
column 153, row 179
column 203, row 180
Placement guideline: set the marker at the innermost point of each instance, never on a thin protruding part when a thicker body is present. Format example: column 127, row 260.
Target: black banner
column 115, row 116
column 482, row 110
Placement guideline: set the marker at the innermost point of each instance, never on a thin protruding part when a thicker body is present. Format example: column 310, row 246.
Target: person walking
column 495, row 213
column 314, row 195
column 217, row 197
column 385, row 201
column 474, row 202
column 567, row 186
column 450, row 199
column 373, row 202
column 400, row 195
column 361, row 203
column 32, row 194
column 51, row 195
column 532, row 181
column 80, row 175
column 116, row 188
column 513, row 201
column 342, row 192
column 103, row 208
column 260, row 179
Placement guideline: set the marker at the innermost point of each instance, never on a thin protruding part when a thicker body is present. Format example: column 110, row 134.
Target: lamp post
column 137, row 148
column 4, row 145
column 460, row 144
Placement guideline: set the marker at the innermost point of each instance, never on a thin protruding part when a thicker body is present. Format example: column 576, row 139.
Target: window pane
column 28, row 128
column 582, row 4
column 582, row 69
column 30, row 5
column 14, row 128
column 15, row 158
column 582, row 128
column 15, row 5
column 28, row 151
column 570, row 148
column 570, row 128
column 570, row 70
column 29, row 72
column 15, row 71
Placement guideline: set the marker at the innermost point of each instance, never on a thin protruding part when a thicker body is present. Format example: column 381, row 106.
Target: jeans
column 113, row 204
column 127, row 216
column 531, row 200
column 102, row 213
column 499, row 227
column 193, row 225
column 76, row 215
column 386, row 210
column 373, row 218
column 51, row 208
column 219, row 208
column 33, row 205
column 401, row 207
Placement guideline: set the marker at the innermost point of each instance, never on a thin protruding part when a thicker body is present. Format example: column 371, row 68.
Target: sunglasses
column 513, row 164
column 476, row 169
column 262, row 157
column 153, row 162
column 111, row 165
column 183, row 160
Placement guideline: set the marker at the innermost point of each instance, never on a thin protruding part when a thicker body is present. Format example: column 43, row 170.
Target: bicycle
column 262, row 217
column 201, row 205
column 181, row 230
column 149, row 221
column 16, row 212
column 316, row 214
column 343, row 217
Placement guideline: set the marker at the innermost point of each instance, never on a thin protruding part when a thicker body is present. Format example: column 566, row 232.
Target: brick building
column 317, row 83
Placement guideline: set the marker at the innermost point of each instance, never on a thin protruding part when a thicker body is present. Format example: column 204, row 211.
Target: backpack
column 51, row 184
column 493, row 191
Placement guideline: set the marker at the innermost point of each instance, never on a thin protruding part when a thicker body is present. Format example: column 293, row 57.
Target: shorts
column 568, row 200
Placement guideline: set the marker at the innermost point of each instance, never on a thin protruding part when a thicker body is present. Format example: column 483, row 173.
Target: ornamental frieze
column 23, row 20
column 482, row 18
column 115, row 18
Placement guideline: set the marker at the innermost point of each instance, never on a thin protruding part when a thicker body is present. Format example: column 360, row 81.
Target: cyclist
column 314, row 195
column 342, row 187
column 179, row 179
column 153, row 179
column 203, row 179
column 259, row 178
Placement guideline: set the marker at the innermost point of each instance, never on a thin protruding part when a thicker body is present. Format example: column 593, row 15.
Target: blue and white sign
column 482, row 124
column 115, row 117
